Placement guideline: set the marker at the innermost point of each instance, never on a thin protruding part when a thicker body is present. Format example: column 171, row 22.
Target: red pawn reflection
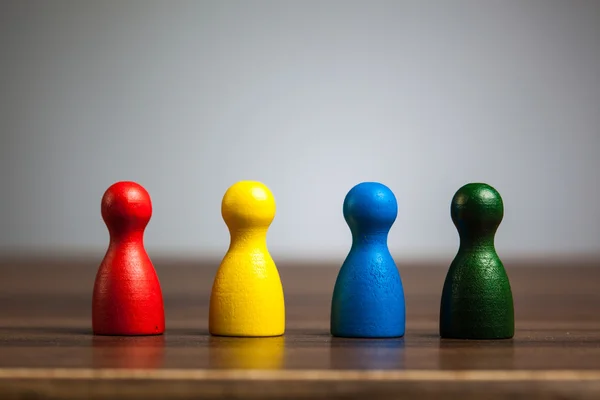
column 143, row 352
column 127, row 297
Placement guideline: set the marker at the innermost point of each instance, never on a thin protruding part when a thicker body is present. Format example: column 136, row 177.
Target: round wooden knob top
column 370, row 207
column 248, row 204
column 126, row 205
column 477, row 208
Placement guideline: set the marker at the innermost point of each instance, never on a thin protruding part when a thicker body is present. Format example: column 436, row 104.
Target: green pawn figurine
column 477, row 300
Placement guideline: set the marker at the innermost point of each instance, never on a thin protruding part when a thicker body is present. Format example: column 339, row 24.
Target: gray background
column 310, row 97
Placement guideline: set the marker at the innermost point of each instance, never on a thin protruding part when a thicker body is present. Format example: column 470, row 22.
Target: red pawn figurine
column 127, row 297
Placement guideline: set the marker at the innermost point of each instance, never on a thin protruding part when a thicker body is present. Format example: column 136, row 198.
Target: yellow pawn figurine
column 247, row 296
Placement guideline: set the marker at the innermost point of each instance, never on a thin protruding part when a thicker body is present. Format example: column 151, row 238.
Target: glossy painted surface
column 247, row 296
column 368, row 298
column 477, row 299
column 127, row 298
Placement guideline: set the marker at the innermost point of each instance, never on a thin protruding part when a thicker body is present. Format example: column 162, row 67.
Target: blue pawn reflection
column 368, row 298
column 370, row 354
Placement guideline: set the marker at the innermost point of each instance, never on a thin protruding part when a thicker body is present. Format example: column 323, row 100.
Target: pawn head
column 248, row 204
column 126, row 205
column 477, row 207
column 370, row 207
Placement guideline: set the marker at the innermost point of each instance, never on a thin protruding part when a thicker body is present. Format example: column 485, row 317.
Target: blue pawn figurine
column 368, row 298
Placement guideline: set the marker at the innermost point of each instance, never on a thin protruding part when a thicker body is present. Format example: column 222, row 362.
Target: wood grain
column 47, row 350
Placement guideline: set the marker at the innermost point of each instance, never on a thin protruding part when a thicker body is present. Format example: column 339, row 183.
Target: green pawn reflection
column 477, row 300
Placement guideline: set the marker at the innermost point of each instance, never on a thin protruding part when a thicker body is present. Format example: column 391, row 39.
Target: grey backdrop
column 310, row 97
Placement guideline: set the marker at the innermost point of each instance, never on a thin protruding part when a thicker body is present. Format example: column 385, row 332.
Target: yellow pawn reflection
column 247, row 296
column 247, row 353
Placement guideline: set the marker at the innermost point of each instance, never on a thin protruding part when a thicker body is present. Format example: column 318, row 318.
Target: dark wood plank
column 47, row 350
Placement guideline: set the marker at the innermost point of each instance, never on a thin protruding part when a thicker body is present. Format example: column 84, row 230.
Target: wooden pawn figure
column 368, row 297
column 247, row 296
column 127, row 298
column 477, row 299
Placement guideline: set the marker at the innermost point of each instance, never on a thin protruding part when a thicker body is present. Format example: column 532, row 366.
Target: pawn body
column 127, row 297
column 368, row 298
column 477, row 299
column 247, row 296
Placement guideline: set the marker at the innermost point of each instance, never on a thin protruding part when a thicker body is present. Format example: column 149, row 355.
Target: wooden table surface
column 47, row 350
